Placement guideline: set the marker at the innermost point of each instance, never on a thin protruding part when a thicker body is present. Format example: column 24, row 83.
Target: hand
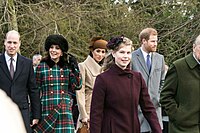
column 88, row 124
column 34, row 122
column 84, row 120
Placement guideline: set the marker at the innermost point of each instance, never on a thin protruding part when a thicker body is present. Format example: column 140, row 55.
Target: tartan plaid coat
column 57, row 83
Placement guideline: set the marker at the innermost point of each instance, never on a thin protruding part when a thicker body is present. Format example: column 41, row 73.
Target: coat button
column 51, row 92
column 51, row 84
column 61, row 76
column 129, row 75
column 51, row 76
column 62, row 84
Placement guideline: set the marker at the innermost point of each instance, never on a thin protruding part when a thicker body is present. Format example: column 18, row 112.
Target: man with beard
column 152, row 67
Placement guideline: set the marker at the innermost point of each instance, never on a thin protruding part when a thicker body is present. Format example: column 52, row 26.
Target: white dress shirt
column 7, row 57
column 145, row 55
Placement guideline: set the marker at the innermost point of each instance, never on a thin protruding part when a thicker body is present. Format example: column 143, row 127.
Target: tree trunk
column 12, row 17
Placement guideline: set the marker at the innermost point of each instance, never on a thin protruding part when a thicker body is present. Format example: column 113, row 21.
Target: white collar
column 145, row 53
column 7, row 57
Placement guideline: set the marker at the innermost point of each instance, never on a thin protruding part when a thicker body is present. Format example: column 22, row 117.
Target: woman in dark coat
column 118, row 92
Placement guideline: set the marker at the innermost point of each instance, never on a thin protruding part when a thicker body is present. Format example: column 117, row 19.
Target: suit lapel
column 4, row 66
column 19, row 66
column 153, row 62
column 141, row 60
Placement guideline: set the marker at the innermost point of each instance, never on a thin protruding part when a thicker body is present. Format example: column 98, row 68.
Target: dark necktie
column 148, row 62
column 11, row 68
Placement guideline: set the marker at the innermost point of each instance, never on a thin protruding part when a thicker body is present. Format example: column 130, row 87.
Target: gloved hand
column 73, row 63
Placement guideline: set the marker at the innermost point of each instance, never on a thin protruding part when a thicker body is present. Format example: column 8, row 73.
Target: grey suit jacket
column 154, row 81
column 22, row 85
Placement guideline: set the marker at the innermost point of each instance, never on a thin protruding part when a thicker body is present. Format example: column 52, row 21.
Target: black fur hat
column 56, row 39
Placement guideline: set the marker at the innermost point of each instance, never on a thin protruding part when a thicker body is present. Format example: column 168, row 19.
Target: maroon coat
column 116, row 96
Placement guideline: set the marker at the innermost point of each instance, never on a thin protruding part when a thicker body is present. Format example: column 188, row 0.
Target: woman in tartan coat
column 57, row 77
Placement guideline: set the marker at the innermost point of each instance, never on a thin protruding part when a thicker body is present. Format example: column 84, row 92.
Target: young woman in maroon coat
column 118, row 92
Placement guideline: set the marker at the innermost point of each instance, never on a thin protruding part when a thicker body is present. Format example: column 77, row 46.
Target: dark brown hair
column 145, row 33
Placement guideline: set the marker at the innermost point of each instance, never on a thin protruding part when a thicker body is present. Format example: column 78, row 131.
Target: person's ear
column 4, row 42
column 144, row 41
column 113, row 54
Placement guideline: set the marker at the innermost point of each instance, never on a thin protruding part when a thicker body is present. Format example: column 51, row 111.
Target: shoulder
column 136, row 73
column 21, row 59
column 158, row 55
column 42, row 65
column 2, row 57
column 89, row 62
column 85, row 62
column 136, row 52
column 82, row 67
column 179, row 61
column 105, row 75
column 24, row 58
column 82, row 64
column 105, row 78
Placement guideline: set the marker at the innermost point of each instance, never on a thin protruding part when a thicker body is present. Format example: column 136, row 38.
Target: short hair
column 12, row 31
column 145, row 33
column 36, row 55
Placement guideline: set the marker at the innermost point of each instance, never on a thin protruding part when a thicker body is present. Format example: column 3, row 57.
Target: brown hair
column 109, row 60
column 145, row 33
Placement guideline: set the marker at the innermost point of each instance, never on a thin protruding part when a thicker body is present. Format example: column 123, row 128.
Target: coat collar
column 19, row 65
column 120, row 71
column 192, row 63
column 92, row 66
column 51, row 63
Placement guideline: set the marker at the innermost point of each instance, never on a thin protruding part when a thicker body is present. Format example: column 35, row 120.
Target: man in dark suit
column 17, row 79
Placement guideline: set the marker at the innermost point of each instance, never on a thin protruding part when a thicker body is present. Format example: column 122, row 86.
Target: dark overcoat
column 180, row 96
column 21, row 86
column 116, row 96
